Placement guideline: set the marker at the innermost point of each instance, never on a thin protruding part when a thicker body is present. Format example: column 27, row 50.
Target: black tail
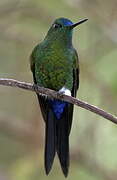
column 50, row 141
column 56, row 135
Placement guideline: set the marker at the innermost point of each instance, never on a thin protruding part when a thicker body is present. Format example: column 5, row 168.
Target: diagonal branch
column 53, row 94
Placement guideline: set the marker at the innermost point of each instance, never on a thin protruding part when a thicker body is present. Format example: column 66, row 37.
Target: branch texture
column 53, row 94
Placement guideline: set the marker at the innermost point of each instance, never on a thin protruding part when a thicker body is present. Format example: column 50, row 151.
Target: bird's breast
column 53, row 68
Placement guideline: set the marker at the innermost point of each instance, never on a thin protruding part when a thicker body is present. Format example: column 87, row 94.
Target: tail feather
column 63, row 142
column 56, row 135
column 50, row 132
column 50, row 141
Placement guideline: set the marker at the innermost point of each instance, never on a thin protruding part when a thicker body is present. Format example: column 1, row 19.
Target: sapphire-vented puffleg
column 54, row 64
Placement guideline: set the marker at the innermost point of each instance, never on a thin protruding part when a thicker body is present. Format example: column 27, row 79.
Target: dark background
column 93, row 140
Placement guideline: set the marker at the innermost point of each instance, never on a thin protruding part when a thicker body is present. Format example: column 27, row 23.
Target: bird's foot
column 35, row 86
column 60, row 94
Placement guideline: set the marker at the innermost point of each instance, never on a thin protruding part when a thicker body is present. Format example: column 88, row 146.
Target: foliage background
column 93, row 140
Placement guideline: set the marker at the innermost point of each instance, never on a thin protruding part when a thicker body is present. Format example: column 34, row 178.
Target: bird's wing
column 75, row 74
column 75, row 86
column 48, row 116
column 42, row 99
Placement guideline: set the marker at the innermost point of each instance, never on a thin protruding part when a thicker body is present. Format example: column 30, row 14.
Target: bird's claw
column 60, row 94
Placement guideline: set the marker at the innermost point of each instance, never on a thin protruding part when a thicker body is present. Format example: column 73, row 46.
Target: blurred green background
column 93, row 140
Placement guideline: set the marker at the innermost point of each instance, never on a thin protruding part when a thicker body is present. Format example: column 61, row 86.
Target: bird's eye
column 57, row 26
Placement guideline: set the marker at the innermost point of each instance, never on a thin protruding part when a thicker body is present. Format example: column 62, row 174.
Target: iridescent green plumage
column 55, row 59
column 54, row 64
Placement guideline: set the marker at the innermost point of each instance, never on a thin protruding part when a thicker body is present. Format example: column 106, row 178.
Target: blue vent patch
column 57, row 107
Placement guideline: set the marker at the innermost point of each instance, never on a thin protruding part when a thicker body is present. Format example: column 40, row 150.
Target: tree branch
column 53, row 94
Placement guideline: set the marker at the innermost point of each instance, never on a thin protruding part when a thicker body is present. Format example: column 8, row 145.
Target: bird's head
column 62, row 29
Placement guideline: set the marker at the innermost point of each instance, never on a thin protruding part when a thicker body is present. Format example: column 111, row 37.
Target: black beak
column 78, row 23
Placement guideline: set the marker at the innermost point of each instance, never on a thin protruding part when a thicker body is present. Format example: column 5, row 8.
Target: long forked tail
column 57, row 140
column 56, row 135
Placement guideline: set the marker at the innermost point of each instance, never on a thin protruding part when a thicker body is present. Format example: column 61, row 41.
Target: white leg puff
column 65, row 91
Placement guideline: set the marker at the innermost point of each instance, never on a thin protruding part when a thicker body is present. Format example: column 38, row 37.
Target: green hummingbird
column 54, row 64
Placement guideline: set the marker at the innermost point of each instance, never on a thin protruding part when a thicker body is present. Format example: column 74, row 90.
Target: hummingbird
column 54, row 64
